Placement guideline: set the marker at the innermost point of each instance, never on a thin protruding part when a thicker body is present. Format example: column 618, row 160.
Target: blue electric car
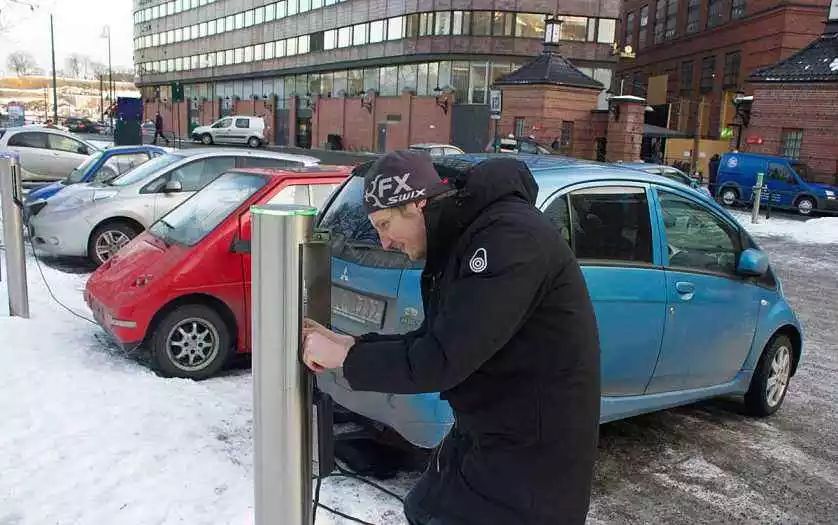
column 687, row 305
column 102, row 165
column 788, row 182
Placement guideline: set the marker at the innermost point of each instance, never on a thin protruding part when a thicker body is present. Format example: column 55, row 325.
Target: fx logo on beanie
column 386, row 192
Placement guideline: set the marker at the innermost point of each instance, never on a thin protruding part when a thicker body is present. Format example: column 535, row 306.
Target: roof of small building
column 817, row 62
column 549, row 68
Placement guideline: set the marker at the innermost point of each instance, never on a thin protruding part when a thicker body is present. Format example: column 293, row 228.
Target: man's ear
column 421, row 203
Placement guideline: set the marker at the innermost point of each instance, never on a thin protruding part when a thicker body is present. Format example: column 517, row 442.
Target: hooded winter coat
column 510, row 340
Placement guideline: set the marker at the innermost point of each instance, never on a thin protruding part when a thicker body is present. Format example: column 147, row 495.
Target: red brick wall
column 428, row 122
column 815, row 112
column 626, row 133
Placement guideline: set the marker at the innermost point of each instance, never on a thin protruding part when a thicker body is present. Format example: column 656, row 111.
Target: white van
column 235, row 129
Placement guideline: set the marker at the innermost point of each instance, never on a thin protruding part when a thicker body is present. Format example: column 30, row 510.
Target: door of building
column 382, row 137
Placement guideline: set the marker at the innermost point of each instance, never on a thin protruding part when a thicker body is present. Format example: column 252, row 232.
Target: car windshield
column 77, row 174
column 197, row 216
column 149, row 168
column 802, row 171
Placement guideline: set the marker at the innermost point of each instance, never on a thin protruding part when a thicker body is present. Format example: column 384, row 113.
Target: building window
column 666, row 16
column 715, row 15
column 708, row 73
column 359, row 34
column 459, row 81
column 520, row 126
column 281, row 9
column 395, row 28
column 302, row 44
column 389, row 81
column 791, row 142
column 502, row 23
column 686, row 75
column 305, row 5
column 693, row 15
column 354, row 82
column 644, row 27
column 259, row 18
column 344, row 36
column 329, row 39
column 461, row 22
column 292, row 7
column 248, row 54
column 238, row 20
column 290, row 46
column 371, row 79
column 258, row 52
column 574, row 28
column 481, row 23
column 660, row 20
column 280, row 48
column 733, row 63
column 606, row 30
column 270, row 52
column 249, row 17
column 443, row 23
column 270, row 12
column 737, row 9
column 628, row 39
column 478, row 83
column 407, row 77
column 426, row 24
column 529, row 25
column 377, row 31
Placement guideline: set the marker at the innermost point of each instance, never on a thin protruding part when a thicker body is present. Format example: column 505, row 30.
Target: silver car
column 46, row 154
column 95, row 220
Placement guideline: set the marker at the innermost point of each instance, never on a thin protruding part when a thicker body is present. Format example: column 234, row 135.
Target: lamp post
column 106, row 33
column 54, row 81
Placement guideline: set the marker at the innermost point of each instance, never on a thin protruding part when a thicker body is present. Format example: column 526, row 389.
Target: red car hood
column 138, row 266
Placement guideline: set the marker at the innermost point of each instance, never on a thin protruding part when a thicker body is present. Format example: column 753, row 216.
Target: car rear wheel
column 805, row 205
column 728, row 196
column 770, row 381
column 108, row 239
column 254, row 142
column 206, row 139
column 192, row 341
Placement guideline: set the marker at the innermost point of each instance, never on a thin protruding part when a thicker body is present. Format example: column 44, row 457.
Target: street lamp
column 742, row 104
column 106, row 33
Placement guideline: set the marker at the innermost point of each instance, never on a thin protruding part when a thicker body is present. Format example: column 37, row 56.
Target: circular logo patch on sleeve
column 478, row 261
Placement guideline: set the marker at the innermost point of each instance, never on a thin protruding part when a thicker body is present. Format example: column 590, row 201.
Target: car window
column 263, row 162
column 780, row 172
column 452, row 151
column 527, row 147
column 558, row 212
column 120, row 164
column 224, row 123
column 66, row 144
column 28, row 140
column 436, row 152
column 606, row 224
column 196, row 175
column 353, row 237
column 677, row 176
column 320, row 194
column 199, row 215
column 294, row 194
column 696, row 238
column 242, row 123
column 146, row 170
column 78, row 174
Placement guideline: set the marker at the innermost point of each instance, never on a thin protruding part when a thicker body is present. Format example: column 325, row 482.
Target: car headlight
column 104, row 194
column 72, row 202
column 829, row 194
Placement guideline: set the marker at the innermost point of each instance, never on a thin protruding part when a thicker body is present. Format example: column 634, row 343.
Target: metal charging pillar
column 282, row 385
column 11, row 199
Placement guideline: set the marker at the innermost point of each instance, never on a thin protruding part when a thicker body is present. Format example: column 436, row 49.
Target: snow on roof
column 817, row 62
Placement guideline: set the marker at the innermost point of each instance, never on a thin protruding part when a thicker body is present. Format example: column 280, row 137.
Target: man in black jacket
column 509, row 339
column 158, row 129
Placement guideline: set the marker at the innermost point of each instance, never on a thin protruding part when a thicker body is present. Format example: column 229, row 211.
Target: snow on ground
column 88, row 436
column 822, row 230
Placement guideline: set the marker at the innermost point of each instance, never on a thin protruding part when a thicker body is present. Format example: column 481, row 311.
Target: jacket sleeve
column 488, row 301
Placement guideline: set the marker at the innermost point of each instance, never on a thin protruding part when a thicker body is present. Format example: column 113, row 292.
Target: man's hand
column 322, row 348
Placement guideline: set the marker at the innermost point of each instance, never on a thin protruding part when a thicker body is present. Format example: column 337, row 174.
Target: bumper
column 828, row 205
column 60, row 234
column 126, row 336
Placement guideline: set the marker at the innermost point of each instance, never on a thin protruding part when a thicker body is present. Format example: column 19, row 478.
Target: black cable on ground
column 344, row 472
column 54, row 298
column 345, row 516
column 349, row 474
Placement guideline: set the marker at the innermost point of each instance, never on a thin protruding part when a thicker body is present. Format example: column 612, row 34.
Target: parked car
column 102, row 166
column 46, row 154
column 95, row 220
column 524, row 145
column 687, row 306
column 437, row 150
column 789, row 183
column 232, row 130
column 102, row 128
column 186, row 278
column 80, row 125
column 669, row 172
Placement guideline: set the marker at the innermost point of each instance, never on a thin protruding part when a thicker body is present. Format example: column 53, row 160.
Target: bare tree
column 21, row 62
column 73, row 66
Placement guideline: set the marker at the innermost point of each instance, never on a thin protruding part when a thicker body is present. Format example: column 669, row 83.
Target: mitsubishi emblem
column 345, row 275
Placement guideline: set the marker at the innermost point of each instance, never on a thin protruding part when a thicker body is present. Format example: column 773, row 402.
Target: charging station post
column 291, row 278
column 11, row 200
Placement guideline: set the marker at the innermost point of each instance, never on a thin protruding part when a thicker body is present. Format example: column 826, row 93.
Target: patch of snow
column 823, row 230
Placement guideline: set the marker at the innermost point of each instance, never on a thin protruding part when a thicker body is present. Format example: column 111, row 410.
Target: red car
column 182, row 288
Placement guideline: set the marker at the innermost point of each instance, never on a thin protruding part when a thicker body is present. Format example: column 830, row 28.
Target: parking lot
column 131, row 447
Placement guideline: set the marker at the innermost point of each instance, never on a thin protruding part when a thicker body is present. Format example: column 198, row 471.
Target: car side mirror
column 173, row 186
column 752, row 263
column 83, row 150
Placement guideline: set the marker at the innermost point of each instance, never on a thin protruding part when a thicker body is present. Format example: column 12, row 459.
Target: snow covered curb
column 823, row 230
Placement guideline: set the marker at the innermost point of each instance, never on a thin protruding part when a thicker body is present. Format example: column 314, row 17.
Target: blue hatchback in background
column 687, row 305
column 101, row 166
column 788, row 181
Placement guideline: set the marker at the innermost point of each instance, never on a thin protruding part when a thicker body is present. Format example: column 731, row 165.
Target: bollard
column 282, row 386
column 757, row 197
column 11, row 199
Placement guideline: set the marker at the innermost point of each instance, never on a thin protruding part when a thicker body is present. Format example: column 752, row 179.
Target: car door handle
column 685, row 288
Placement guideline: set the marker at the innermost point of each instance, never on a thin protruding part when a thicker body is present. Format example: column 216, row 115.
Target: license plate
column 358, row 307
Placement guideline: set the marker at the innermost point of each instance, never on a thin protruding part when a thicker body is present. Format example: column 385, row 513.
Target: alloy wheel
column 192, row 344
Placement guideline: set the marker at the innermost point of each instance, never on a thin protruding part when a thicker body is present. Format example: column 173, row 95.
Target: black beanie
column 401, row 177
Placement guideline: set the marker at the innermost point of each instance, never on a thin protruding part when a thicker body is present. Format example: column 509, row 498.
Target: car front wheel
column 108, row 239
column 254, row 142
column 728, row 196
column 770, row 381
column 206, row 139
column 805, row 206
column 192, row 341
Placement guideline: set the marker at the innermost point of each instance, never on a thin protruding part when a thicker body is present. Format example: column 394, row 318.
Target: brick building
column 692, row 56
column 807, row 81
column 288, row 54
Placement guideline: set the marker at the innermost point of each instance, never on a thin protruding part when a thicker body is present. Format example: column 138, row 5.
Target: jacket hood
column 476, row 189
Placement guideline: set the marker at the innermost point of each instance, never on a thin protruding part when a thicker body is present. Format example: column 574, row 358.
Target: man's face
column 403, row 229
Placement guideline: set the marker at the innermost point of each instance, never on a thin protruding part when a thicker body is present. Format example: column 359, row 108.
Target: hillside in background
column 76, row 97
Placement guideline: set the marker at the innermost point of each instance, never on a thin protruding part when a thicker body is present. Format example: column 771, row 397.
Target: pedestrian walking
column 509, row 339
column 158, row 129
column 713, row 169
